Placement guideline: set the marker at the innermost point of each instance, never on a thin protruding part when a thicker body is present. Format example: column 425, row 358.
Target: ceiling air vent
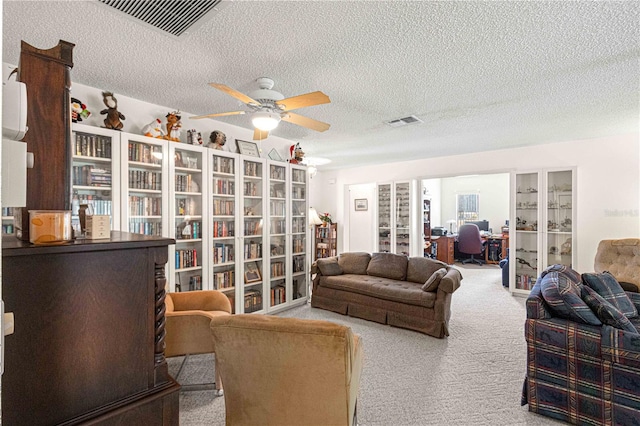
column 173, row 17
column 405, row 121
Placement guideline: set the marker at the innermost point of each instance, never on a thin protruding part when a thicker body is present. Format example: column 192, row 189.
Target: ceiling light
column 312, row 170
column 265, row 121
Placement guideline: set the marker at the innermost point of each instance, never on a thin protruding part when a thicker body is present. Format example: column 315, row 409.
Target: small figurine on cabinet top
column 112, row 120
column 297, row 154
column 79, row 110
column 173, row 126
column 217, row 139
column 154, row 129
column 194, row 137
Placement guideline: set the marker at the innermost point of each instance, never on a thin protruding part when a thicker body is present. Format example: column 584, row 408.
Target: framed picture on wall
column 248, row 148
column 361, row 204
column 274, row 155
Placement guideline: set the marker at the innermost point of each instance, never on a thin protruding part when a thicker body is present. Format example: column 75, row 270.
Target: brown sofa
column 413, row 293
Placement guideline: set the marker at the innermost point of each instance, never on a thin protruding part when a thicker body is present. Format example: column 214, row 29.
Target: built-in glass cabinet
column 542, row 225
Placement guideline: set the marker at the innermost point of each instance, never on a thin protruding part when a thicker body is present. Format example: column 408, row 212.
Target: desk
column 495, row 250
column 444, row 248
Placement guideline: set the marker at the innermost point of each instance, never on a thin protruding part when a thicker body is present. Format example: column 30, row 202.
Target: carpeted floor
column 473, row 377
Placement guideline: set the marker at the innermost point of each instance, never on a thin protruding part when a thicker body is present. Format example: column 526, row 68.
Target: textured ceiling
column 481, row 75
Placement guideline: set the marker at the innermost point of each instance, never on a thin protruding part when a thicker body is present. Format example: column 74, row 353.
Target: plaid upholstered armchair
column 579, row 372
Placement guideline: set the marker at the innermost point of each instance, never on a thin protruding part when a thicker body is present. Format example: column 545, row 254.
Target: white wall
column 494, row 197
column 608, row 189
column 361, row 224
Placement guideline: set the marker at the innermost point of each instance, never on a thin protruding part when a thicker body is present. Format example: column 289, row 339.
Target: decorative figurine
column 297, row 154
column 154, row 129
column 173, row 126
column 217, row 139
column 194, row 137
column 79, row 110
column 112, row 121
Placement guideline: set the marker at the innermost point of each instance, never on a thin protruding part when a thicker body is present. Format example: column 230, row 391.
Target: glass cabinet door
column 94, row 172
column 144, row 171
column 223, row 224
column 559, row 218
column 299, row 228
column 402, row 218
column 253, row 241
column 187, row 216
column 526, row 257
column 278, row 259
column 384, row 218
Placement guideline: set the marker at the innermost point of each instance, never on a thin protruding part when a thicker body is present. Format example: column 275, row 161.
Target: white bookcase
column 188, row 262
column 279, row 252
column 145, row 185
column 253, row 204
column 542, row 224
column 223, row 223
column 96, row 172
column 297, row 285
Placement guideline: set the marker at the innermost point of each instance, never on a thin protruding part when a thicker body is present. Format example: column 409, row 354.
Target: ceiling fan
column 267, row 107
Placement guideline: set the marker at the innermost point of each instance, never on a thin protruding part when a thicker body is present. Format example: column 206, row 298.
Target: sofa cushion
column 606, row 312
column 382, row 288
column 563, row 296
column 420, row 269
column 329, row 266
column 388, row 265
column 434, row 280
column 354, row 263
column 607, row 286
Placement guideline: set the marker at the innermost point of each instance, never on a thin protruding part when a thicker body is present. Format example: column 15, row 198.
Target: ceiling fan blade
column 307, row 122
column 259, row 135
column 232, row 92
column 306, row 100
column 219, row 114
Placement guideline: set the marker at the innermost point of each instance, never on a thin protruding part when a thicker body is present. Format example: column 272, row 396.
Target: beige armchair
column 287, row 371
column 622, row 259
column 187, row 327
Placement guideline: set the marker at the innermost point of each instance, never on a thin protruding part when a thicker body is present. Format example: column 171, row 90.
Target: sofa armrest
column 451, row 281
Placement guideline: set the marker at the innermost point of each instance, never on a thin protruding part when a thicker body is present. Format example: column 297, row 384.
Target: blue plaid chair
column 579, row 373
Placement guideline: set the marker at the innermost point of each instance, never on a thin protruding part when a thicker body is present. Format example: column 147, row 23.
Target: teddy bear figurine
column 154, row 129
column 173, row 126
column 112, row 120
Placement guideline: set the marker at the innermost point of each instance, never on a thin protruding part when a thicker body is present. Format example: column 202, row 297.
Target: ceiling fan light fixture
column 265, row 121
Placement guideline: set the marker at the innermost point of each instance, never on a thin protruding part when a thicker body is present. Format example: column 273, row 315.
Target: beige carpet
column 473, row 377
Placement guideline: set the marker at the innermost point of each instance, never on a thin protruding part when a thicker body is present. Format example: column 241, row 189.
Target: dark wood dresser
column 88, row 346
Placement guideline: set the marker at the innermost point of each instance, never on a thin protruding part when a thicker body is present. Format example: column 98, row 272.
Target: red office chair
column 470, row 242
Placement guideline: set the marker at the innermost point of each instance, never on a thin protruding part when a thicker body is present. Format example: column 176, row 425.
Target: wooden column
column 46, row 74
